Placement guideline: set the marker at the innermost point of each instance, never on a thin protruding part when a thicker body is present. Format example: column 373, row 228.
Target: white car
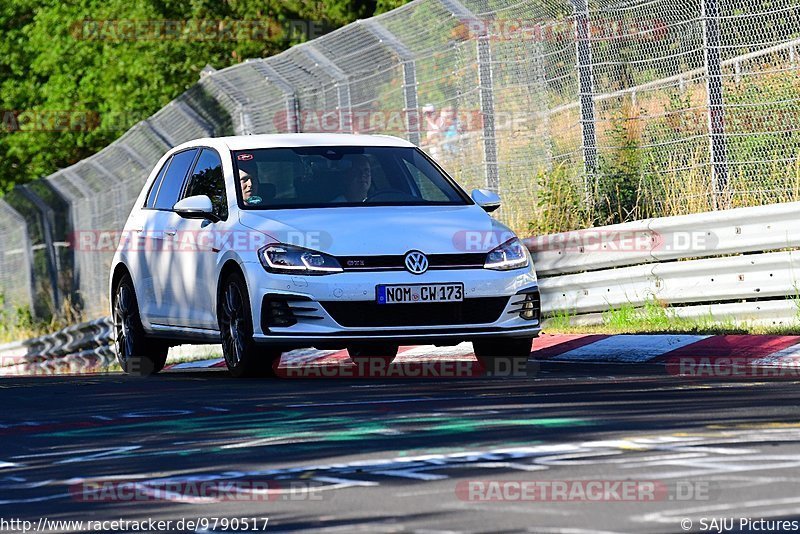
column 268, row 243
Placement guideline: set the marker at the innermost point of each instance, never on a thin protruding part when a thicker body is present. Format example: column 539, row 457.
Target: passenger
column 249, row 187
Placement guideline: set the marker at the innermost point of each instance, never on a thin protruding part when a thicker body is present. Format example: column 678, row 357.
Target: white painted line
column 787, row 356
column 301, row 356
column 629, row 348
column 344, row 482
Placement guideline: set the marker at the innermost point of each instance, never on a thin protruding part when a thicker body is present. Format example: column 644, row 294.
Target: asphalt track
column 399, row 455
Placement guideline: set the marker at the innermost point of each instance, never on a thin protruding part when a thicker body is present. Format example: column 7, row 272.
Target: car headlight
column 510, row 255
column 289, row 259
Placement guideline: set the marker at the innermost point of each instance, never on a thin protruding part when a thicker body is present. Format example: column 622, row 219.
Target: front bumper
column 304, row 299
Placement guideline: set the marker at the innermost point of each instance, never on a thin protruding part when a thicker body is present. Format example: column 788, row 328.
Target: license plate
column 416, row 293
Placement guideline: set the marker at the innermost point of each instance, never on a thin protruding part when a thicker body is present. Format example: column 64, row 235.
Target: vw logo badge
column 416, row 262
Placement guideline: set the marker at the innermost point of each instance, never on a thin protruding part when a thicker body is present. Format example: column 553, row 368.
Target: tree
column 75, row 77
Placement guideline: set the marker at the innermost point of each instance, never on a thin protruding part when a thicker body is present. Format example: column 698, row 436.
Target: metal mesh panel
column 316, row 90
column 375, row 87
column 761, row 92
column 254, row 104
column 180, row 123
column 447, row 82
column 15, row 267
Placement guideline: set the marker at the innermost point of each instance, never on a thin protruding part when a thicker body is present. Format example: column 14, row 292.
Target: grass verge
column 655, row 318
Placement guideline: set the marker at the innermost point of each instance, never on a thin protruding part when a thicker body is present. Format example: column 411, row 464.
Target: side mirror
column 488, row 200
column 196, row 207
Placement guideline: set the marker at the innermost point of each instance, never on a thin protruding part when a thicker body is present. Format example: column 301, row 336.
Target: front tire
column 504, row 356
column 242, row 356
column 136, row 354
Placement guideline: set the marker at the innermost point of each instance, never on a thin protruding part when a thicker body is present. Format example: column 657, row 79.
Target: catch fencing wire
column 575, row 111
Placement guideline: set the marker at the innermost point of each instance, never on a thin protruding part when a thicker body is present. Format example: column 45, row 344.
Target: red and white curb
column 745, row 353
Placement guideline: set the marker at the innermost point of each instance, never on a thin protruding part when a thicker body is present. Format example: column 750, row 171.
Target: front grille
column 370, row 314
column 397, row 262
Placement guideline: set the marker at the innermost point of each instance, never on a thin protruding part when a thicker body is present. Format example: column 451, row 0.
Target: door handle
column 170, row 232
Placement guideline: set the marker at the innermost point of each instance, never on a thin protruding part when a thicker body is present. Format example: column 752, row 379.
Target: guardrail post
column 342, row 84
column 486, row 88
column 411, row 110
column 583, row 49
column 715, row 102
column 292, row 103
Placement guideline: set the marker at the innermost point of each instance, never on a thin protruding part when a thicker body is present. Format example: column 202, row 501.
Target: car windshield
column 310, row 177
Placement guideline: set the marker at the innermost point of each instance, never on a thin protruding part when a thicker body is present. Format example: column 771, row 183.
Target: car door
column 193, row 261
column 160, row 234
column 139, row 247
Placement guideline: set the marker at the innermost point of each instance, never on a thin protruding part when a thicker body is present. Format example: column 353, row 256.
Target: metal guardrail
column 716, row 233
column 90, row 340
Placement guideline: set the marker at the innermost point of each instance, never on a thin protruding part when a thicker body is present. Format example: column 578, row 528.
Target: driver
column 249, row 188
column 357, row 182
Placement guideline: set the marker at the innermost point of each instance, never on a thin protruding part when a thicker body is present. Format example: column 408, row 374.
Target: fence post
column 292, row 104
column 486, row 87
column 47, row 219
column 342, row 84
column 715, row 103
column 411, row 110
column 74, row 222
column 583, row 49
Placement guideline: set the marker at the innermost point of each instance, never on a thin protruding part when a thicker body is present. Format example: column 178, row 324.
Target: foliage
column 560, row 202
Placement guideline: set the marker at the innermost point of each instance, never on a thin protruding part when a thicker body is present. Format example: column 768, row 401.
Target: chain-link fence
column 577, row 112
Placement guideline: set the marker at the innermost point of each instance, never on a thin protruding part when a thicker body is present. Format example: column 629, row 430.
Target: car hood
column 381, row 230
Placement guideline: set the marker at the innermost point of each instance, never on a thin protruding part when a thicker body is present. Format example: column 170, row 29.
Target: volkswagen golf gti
column 268, row 243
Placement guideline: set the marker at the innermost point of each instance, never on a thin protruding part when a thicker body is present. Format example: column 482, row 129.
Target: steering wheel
column 393, row 194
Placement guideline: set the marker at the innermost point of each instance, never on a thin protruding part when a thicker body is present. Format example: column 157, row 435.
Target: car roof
column 252, row 142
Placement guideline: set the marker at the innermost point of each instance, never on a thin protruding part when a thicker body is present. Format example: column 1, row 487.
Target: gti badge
column 416, row 262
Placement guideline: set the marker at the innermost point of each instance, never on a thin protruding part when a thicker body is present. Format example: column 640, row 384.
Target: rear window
column 307, row 177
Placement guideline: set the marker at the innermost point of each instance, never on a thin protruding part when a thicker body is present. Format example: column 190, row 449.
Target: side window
column 151, row 196
column 428, row 189
column 173, row 180
column 207, row 179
